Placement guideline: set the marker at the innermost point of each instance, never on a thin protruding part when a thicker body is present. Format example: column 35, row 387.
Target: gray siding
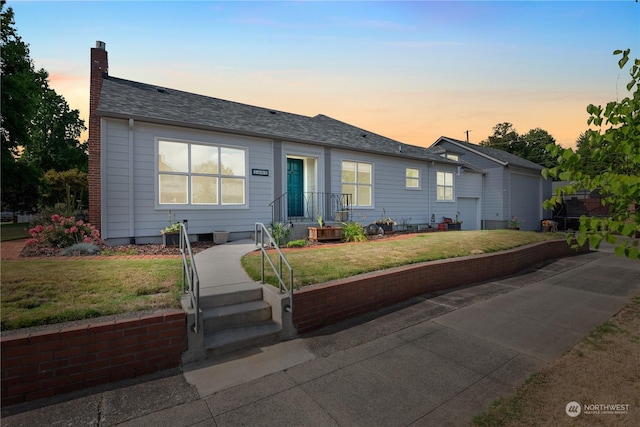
column 391, row 198
column 147, row 218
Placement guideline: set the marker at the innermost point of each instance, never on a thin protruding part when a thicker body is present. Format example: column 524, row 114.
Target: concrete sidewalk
column 434, row 360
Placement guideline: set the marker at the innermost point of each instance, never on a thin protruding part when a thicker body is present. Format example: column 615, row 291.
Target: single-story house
column 159, row 155
column 513, row 187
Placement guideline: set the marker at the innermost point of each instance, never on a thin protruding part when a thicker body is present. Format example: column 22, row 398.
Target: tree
column 531, row 146
column 54, row 136
column 70, row 187
column 38, row 130
column 504, row 137
column 612, row 168
column 21, row 86
column 590, row 166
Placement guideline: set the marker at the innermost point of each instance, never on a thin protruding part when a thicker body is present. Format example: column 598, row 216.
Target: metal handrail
column 190, row 274
column 310, row 205
column 264, row 239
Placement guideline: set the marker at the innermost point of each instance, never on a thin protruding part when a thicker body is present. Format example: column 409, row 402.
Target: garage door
column 526, row 201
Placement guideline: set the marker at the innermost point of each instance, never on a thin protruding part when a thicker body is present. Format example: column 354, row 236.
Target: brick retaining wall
column 44, row 364
column 324, row 304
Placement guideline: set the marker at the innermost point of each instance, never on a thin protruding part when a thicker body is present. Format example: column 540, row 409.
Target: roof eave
column 454, row 142
column 125, row 116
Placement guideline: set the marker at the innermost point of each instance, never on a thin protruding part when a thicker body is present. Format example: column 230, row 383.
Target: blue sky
column 411, row 71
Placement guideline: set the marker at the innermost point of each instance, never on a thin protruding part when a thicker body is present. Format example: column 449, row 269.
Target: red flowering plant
column 63, row 232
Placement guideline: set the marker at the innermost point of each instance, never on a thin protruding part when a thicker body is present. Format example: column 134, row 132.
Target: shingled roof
column 126, row 99
column 499, row 156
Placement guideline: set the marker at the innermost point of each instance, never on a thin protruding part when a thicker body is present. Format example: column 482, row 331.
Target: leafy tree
column 531, row 146
column 38, row 131
column 534, row 147
column 590, row 165
column 69, row 187
column 504, row 137
column 21, row 86
column 612, row 168
column 54, row 136
column 20, row 185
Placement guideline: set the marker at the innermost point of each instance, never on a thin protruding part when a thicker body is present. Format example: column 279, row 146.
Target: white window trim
column 453, row 187
column 418, row 179
column 199, row 207
column 355, row 205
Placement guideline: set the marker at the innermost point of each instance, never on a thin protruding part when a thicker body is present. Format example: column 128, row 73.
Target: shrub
column 301, row 243
column 81, row 249
column 280, row 232
column 353, row 232
column 63, row 232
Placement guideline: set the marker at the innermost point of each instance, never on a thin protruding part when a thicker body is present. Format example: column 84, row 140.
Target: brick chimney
column 99, row 69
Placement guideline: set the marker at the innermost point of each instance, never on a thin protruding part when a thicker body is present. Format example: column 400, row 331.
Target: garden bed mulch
column 31, row 251
column 128, row 250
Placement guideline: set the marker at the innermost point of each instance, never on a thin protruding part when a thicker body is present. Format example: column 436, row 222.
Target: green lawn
column 47, row 291
column 329, row 262
column 10, row 231
column 39, row 292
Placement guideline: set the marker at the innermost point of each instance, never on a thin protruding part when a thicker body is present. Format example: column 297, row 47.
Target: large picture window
column 357, row 180
column 444, row 186
column 198, row 174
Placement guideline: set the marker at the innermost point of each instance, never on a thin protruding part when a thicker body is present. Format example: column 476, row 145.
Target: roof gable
column 499, row 156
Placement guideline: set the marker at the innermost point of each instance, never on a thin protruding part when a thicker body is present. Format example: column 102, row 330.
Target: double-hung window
column 357, row 180
column 444, row 186
column 200, row 175
column 412, row 178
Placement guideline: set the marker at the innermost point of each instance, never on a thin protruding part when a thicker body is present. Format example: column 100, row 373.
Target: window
column 444, row 185
column 357, row 181
column 200, row 175
column 451, row 156
column 412, row 178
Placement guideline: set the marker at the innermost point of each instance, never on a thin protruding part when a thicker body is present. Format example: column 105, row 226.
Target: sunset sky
column 411, row 71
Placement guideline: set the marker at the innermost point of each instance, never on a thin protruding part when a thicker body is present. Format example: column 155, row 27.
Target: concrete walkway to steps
column 430, row 361
column 219, row 266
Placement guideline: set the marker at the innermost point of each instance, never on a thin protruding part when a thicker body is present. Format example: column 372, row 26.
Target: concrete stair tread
column 229, row 310
column 230, row 295
column 225, row 289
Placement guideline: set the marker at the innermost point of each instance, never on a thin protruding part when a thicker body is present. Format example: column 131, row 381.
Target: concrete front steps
column 237, row 317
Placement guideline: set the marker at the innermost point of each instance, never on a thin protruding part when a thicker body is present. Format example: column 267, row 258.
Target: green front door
column 295, row 187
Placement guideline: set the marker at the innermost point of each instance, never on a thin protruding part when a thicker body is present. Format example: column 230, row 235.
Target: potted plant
column 324, row 232
column 171, row 234
column 514, row 224
column 456, row 224
column 385, row 222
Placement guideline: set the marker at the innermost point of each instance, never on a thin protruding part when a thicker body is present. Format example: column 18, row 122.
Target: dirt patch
column 603, row 369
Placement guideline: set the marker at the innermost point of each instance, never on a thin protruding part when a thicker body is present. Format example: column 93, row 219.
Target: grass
column 10, row 231
column 40, row 292
column 329, row 262
column 603, row 367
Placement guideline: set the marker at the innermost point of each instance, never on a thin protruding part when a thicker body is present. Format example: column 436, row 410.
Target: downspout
column 483, row 214
column 508, row 193
column 104, row 225
column 132, row 238
column 429, row 192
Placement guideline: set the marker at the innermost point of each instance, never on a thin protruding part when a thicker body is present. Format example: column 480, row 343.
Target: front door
column 295, row 187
